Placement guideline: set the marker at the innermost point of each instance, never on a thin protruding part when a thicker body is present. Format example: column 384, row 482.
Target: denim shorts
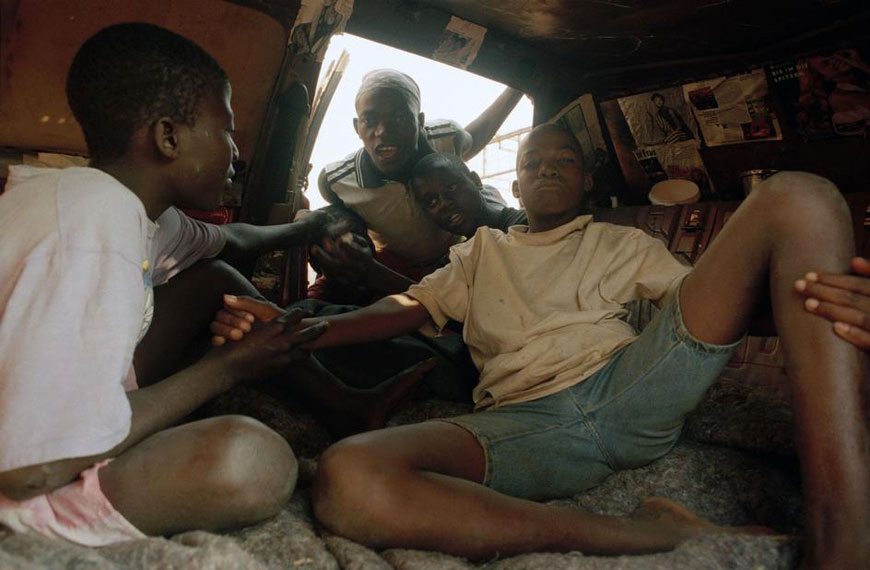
column 625, row 415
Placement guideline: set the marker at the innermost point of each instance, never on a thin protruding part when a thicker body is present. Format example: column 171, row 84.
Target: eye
column 532, row 163
column 568, row 159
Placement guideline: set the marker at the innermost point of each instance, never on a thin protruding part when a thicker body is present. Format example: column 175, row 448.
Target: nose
column 235, row 150
column 547, row 170
column 441, row 204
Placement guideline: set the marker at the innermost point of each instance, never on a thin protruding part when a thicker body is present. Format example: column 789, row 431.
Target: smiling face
column 551, row 179
column 204, row 168
column 389, row 126
column 450, row 197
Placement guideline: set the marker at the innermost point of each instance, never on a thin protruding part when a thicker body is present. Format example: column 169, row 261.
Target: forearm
column 483, row 128
column 385, row 281
column 246, row 241
column 386, row 318
column 153, row 408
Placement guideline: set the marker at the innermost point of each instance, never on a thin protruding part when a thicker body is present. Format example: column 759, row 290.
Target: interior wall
column 40, row 38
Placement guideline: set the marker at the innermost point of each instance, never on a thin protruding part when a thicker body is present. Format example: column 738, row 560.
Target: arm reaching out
column 246, row 242
column 484, row 127
column 388, row 317
column 842, row 299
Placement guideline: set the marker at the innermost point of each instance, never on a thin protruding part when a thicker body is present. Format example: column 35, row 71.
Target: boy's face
column 205, row 168
column 450, row 198
column 388, row 126
column 550, row 175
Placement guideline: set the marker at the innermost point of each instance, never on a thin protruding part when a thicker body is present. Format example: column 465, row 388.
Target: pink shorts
column 78, row 512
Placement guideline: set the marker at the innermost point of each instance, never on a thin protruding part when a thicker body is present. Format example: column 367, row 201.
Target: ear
column 588, row 182
column 515, row 189
column 356, row 126
column 164, row 132
column 421, row 120
column 476, row 179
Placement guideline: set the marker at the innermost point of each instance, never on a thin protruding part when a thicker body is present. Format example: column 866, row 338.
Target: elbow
column 27, row 482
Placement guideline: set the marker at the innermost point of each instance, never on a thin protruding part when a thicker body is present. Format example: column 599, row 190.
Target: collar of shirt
column 520, row 234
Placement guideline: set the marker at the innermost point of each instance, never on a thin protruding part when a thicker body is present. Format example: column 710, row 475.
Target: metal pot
column 749, row 179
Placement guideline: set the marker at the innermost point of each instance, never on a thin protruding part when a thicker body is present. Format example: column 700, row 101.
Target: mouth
column 387, row 152
column 455, row 220
column 548, row 186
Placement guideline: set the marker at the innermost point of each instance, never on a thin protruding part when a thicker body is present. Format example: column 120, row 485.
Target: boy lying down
column 568, row 394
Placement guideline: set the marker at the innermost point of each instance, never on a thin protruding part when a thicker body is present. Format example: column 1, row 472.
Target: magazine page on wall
column 733, row 109
column 826, row 95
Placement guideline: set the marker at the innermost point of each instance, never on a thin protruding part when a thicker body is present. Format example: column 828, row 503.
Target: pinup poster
column 826, row 95
column 733, row 109
column 655, row 137
column 659, row 117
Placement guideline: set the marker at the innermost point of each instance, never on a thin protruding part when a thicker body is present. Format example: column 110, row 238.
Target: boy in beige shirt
column 568, row 394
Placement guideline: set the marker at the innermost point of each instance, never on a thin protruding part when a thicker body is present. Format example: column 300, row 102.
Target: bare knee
column 248, row 467
column 795, row 198
column 351, row 493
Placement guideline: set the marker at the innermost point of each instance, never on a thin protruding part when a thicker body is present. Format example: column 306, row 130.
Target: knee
column 799, row 198
column 350, row 493
column 221, row 277
column 248, row 467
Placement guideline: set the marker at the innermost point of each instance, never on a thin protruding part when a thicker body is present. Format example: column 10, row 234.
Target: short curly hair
column 125, row 76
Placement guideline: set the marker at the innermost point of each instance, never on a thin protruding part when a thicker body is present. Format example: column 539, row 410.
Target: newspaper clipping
column 459, row 43
column 734, row 109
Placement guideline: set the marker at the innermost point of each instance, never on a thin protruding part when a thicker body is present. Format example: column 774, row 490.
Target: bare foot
column 394, row 392
column 667, row 511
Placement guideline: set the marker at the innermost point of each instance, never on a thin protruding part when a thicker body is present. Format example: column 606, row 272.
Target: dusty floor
column 722, row 484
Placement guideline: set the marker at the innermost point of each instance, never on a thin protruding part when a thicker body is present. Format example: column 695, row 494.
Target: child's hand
column 269, row 347
column 346, row 258
column 842, row 299
column 237, row 316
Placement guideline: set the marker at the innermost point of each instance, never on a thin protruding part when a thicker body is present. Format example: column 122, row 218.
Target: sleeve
column 644, row 270
column 67, row 336
column 181, row 242
column 446, row 292
column 448, row 137
column 325, row 191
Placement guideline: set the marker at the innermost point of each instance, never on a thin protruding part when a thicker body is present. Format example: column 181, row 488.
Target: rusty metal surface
column 607, row 34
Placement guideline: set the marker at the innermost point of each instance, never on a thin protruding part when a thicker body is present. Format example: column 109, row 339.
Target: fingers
column 293, row 317
column 262, row 310
column 294, row 339
column 219, row 329
column 857, row 336
column 861, row 266
column 843, row 290
column 838, row 313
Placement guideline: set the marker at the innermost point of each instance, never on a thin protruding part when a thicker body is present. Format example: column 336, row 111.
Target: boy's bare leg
column 213, row 474
column 373, row 487
column 795, row 223
column 183, row 309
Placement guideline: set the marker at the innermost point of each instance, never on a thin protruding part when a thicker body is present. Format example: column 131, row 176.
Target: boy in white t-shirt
column 568, row 394
column 80, row 249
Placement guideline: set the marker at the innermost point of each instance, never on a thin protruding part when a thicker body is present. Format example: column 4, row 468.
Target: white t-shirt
column 78, row 256
column 541, row 311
